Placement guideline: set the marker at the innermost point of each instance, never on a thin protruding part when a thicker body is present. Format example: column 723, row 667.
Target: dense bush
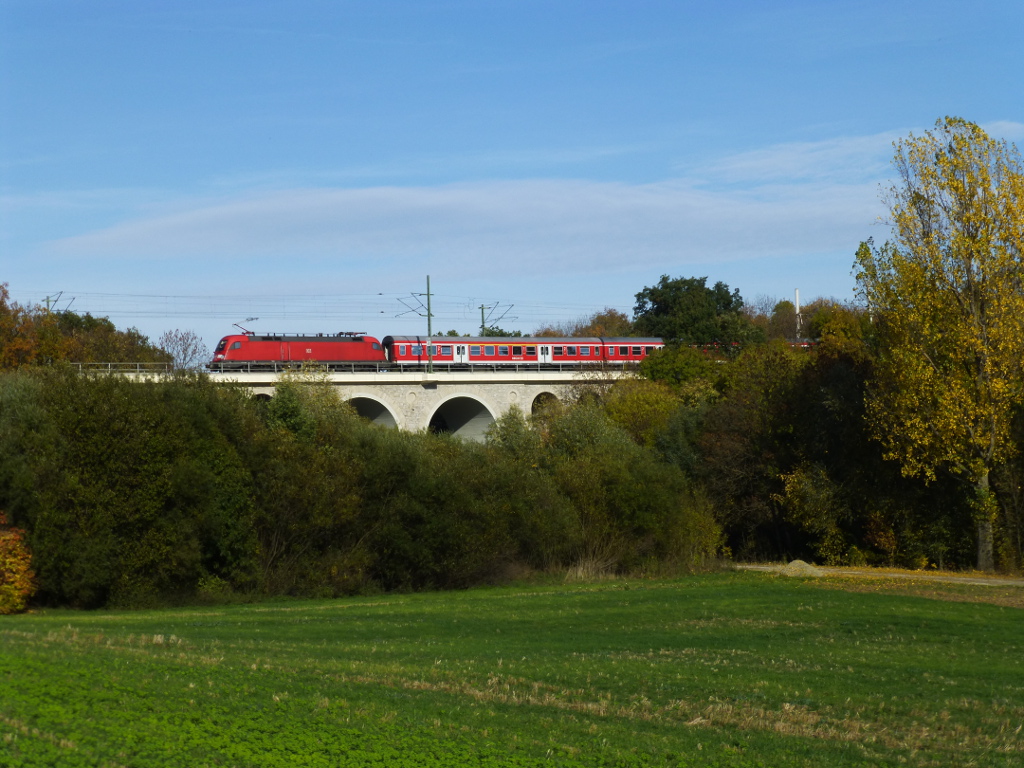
column 137, row 493
column 791, row 470
column 131, row 491
column 631, row 507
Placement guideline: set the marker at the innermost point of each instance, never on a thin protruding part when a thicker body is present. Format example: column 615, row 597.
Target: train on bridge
column 356, row 351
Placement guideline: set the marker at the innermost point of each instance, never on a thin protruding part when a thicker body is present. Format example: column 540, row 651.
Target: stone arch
column 542, row 401
column 462, row 416
column 374, row 410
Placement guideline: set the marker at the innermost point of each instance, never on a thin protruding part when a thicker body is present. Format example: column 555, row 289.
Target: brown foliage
column 18, row 333
column 32, row 335
column 608, row 323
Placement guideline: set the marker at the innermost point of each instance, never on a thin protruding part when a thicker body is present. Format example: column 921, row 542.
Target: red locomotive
column 252, row 352
column 356, row 351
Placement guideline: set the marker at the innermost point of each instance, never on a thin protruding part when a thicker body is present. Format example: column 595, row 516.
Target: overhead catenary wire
column 323, row 307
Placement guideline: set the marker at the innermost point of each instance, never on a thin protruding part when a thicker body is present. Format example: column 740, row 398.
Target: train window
column 446, row 350
column 558, row 351
column 571, row 351
column 611, row 351
column 401, row 349
column 237, row 345
column 648, row 350
column 531, row 350
column 585, row 351
column 636, row 351
column 489, row 350
column 220, row 345
column 624, row 351
column 503, row 351
column 376, row 345
column 474, row 350
column 517, row 350
column 416, row 350
column 433, row 350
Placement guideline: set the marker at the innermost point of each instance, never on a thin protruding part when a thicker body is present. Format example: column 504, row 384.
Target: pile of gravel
column 800, row 568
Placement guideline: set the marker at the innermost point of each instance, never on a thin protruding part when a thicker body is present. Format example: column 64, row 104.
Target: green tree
column 96, row 339
column 782, row 324
column 685, row 310
column 748, row 442
column 948, row 294
column 688, row 372
column 631, row 506
column 130, row 492
column 493, row 330
column 641, row 407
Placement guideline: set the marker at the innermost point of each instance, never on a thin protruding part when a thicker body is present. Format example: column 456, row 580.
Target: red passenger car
column 493, row 351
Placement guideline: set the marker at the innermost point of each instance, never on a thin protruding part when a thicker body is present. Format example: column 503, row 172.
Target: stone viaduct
column 464, row 403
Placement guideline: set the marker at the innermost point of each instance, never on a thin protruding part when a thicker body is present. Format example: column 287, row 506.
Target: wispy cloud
column 806, row 205
column 1005, row 129
column 496, row 163
column 794, row 200
column 787, row 215
column 845, row 160
column 555, row 226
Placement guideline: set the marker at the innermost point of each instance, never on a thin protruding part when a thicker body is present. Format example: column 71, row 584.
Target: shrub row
column 137, row 494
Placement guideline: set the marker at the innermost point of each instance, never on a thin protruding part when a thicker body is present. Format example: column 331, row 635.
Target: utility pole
column 430, row 333
column 416, row 305
column 483, row 317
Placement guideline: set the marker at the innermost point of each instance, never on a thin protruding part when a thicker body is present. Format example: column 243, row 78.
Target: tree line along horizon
column 895, row 440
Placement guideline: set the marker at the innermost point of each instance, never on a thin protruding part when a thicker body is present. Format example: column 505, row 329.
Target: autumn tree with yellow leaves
column 947, row 296
column 17, row 581
column 31, row 335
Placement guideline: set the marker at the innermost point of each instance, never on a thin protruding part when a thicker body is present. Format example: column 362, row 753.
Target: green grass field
column 727, row 669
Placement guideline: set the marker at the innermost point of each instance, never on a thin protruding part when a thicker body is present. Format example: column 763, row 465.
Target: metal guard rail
column 437, row 368
column 167, row 368
column 124, row 367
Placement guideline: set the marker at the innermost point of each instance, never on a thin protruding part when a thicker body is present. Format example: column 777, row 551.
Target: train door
column 460, row 353
column 545, row 354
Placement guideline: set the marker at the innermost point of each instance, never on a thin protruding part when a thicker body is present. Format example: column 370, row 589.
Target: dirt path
column 872, row 573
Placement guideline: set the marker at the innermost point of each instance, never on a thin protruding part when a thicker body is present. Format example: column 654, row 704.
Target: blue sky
column 192, row 164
